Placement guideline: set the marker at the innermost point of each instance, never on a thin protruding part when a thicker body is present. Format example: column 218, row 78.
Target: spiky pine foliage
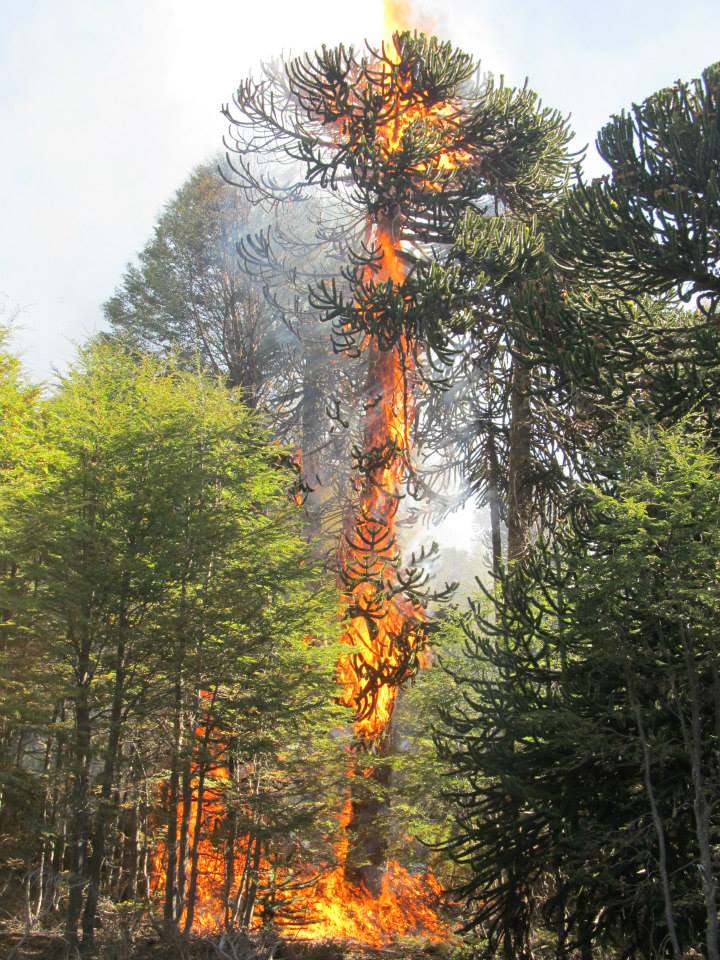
column 625, row 253
column 587, row 731
column 502, row 417
column 590, row 295
column 415, row 144
column 589, row 785
column 408, row 136
column 652, row 225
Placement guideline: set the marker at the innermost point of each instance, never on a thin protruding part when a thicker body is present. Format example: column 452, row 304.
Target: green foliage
column 166, row 640
column 162, row 604
column 653, row 224
column 20, row 464
column 188, row 294
column 588, row 738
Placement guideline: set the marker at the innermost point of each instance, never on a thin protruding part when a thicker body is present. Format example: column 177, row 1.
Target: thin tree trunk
column 229, row 853
column 80, row 793
column 59, row 855
column 145, row 850
column 186, row 799
column 657, row 823
column 494, row 503
column 243, row 887
column 195, row 849
column 367, row 854
column 104, row 810
column 131, row 855
column 701, row 809
column 171, row 840
column 251, row 898
column 47, row 810
column 201, row 767
column 58, row 822
column 313, row 412
column 241, row 896
column 519, row 461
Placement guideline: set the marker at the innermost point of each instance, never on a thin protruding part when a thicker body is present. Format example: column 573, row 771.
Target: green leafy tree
column 168, row 573
column 189, row 294
column 26, row 691
column 215, row 283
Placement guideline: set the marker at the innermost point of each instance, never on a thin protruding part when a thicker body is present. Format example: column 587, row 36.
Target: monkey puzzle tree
column 408, row 138
column 587, row 735
column 652, row 225
column 629, row 250
column 500, row 417
column 569, row 302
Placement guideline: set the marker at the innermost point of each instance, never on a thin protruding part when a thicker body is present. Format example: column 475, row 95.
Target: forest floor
column 48, row 946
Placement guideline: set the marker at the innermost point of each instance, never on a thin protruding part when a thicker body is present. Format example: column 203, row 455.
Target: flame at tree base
column 334, row 909
column 299, row 904
column 405, row 907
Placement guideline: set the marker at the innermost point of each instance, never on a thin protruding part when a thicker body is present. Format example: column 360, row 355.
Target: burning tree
column 409, row 136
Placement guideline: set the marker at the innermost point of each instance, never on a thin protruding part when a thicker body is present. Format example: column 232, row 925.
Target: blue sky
column 108, row 104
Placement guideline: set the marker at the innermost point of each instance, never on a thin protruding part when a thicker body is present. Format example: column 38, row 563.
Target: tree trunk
column 104, row 810
column 201, row 769
column 79, row 830
column 181, row 885
column 366, row 860
column 657, row 823
column 313, row 413
column 701, row 809
column 171, row 840
column 195, row 849
column 494, row 504
column 48, row 812
column 252, row 887
column 519, row 461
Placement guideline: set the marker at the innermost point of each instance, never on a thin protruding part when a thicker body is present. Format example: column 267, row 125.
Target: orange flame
column 404, row 907
column 384, row 630
column 379, row 617
column 378, row 614
column 399, row 15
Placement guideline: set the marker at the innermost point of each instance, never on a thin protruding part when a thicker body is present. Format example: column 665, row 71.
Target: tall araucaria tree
column 628, row 313
column 408, row 137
